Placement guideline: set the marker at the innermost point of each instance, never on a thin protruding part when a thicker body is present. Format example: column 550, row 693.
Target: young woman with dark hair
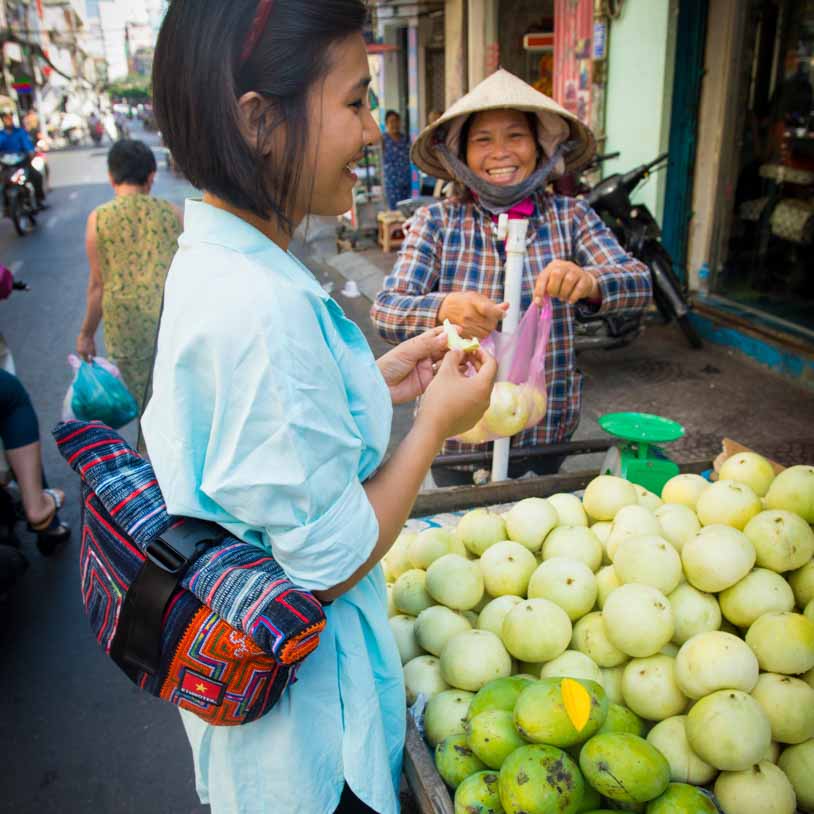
column 269, row 413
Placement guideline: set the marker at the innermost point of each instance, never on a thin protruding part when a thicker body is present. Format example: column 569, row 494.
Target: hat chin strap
column 494, row 197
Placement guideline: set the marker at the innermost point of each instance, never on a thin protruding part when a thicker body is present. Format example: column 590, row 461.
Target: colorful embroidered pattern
column 236, row 630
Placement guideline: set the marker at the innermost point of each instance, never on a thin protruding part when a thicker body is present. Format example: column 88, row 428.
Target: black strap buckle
column 173, row 550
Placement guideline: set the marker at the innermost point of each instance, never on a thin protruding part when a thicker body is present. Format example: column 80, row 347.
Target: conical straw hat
column 504, row 91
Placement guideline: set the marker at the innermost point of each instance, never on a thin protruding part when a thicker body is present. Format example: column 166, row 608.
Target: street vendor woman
column 502, row 144
column 269, row 414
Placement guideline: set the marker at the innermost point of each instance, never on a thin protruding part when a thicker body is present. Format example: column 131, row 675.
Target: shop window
column 769, row 258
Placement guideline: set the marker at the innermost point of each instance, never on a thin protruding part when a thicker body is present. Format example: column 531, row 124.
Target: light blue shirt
column 268, row 413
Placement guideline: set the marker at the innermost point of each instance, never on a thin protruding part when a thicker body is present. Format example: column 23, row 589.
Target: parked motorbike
column 19, row 196
column 639, row 234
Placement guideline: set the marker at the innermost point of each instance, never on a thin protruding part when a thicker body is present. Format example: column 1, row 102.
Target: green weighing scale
column 637, row 458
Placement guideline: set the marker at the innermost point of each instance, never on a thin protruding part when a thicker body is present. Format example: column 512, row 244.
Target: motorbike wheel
column 22, row 216
column 656, row 256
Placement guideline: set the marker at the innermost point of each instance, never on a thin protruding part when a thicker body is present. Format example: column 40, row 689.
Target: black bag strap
column 136, row 647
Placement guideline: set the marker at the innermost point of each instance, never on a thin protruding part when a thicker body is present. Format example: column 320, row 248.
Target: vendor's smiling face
column 501, row 147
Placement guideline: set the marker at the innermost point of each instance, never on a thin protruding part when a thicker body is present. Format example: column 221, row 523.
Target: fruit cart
column 429, row 792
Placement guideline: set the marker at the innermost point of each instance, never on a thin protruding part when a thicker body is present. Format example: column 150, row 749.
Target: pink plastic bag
column 519, row 400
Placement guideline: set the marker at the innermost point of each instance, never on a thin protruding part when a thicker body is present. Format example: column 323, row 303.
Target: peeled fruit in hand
column 717, row 557
column 759, row 789
column 491, row 735
column 624, row 767
column 473, row 658
column 502, row 693
column 693, row 612
column 456, row 342
column 569, row 509
column 729, row 503
column 729, row 730
column 508, row 410
column 435, row 626
column 749, row 468
column 479, row 529
column 638, row 620
column 678, row 522
column 591, row 638
column 670, row 738
column 576, row 543
column 631, row 521
column 568, row 583
column 428, row 545
column 492, row 616
column 479, row 794
column 650, row 689
column 715, row 661
column 572, row 664
column 455, row 581
column 648, row 560
column 507, row 567
column 681, row 798
column 410, row 592
column 537, row 401
column 783, row 541
column 445, row 714
column 529, row 521
column 789, row 705
column 783, row 643
column 797, row 762
column 793, row 490
column 423, row 675
column 479, row 434
column 760, row 591
column 560, row 711
column 684, row 489
column 539, row 779
column 403, row 628
column 605, row 495
column 536, row 630
column 455, row 761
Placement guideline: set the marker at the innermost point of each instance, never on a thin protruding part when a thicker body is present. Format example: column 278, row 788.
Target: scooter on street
column 639, row 234
column 19, row 196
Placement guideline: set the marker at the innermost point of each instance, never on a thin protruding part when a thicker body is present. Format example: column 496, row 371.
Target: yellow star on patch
column 201, row 687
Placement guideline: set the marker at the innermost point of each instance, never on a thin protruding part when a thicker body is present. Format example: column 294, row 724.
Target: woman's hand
column 455, row 402
column 474, row 313
column 567, row 282
column 86, row 347
column 408, row 368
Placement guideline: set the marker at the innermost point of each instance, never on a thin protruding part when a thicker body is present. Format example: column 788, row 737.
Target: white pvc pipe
column 514, row 232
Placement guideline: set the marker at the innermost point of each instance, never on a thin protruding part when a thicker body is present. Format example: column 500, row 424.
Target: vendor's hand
column 86, row 347
column 455, row 402
column 474, row 313
column 567, row 282
column 408, row 368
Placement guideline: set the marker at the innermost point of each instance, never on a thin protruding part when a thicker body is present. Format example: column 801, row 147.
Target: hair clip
column 256, row 29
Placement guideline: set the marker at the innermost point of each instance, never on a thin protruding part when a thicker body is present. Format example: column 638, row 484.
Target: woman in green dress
column 130, row 243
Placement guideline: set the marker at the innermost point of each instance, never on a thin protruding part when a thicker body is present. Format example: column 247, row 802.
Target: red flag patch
column 201, row 688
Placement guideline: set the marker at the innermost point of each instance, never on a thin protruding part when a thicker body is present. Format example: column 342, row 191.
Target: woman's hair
column 198, row 79
column 391, row 113
column 131, row 162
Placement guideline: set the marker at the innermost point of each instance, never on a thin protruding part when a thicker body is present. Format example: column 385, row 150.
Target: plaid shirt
column 452, row 246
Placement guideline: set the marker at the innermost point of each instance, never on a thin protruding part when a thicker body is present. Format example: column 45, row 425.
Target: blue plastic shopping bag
column 99, row 394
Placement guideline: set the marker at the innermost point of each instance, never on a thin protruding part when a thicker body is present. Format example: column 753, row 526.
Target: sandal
column 54, row 536
column 45, row 524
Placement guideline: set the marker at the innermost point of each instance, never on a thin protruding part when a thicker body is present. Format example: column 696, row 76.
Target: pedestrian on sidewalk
column 501, row 144
column 130, row 243
column 396, row 158
column 269, row 414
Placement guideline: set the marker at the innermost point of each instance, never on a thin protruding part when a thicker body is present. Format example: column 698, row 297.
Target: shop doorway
column 768, row 262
